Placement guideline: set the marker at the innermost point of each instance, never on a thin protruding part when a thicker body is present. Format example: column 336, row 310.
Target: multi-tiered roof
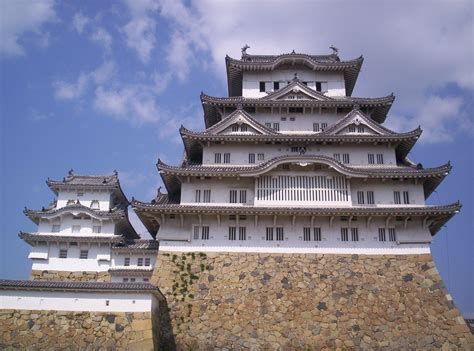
column 222, row 113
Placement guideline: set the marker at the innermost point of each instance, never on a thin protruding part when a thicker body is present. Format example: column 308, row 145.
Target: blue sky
column 103, row 85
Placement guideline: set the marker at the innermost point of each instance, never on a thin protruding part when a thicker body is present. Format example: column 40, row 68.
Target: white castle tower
column 85, row 234
column 291, row 162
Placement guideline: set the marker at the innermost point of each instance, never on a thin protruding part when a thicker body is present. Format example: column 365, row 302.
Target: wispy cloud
column 80, row 21
column 102, row 37
column 20, row 17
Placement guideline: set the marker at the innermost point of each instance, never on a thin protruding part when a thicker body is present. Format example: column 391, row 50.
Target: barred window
column 198, row 195
column 352, row 129
column 269, row 234
column 279, row 233
column 243, row 128
column 276, row 126
column 317, row 234
column 406, row 198
column 242, row 233
column 344, row 234
column 380, row 159
column 218, row 158
column 63, row 253
column 207, row 195
column 391, row 234
column 345, row 158
column 396, row 197
column 56, row 228
column 140, row 261
column 235, row 128
column 307, row 234
column 360, row 129
column 243, row 196
column 315, row 127
column 323, row 126
column 261, row 157
column 355, row 234
column 196, row 233
column 126, row 261
column 97, row 229
column 205, row 233
column 226, row 158
column 370, row 198
column 371, row 159
column 84, row 254
column 233, row 196
column 251, row 158
column 232, row 231
column 268, row 124
column 360, row 197
column 382, row 234
column 147, row 261
column 337, row 157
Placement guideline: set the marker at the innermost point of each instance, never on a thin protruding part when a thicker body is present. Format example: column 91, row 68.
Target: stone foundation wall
column 300, row 302
column 43, row 330
column 70, row 276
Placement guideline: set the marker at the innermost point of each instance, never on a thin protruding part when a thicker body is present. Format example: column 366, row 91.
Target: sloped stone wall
column 300, row 302
column 47, row 330
column 70, row 276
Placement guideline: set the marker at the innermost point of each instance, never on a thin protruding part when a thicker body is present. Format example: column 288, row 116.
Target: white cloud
column 18, row 17
column 79, row 22
column 102, row 37
column 140, row 30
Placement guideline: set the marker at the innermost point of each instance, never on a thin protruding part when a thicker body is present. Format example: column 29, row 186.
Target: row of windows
column 260, row 157
column 235, row 196
column 94, row 203
column 83, row 254
column 275, row 126
column 369, row 196
column 397, row 199
column 345, row 158
column 371, row 159
column 206, row 195
column 241, row 128
column 56, row 228
column 140, row 261
column 218, row 157
column 269, row 86
column 277, row 233
column 359, row 129
column 132, row 280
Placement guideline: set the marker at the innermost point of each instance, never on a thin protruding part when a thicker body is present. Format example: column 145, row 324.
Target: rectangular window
column 198, row 195
column 344, row 234
column 251, row 158
column 232, row 231
column 140, row 261
column 97, row 229
column 145, row 280
column 382, row 234
column 396, row 197
column 307, row 234
column 84, row 254
column 360, row 129
column 370, row 198
column 268, row 124
column 269, row 233
column 292, row 119
column 243, row 196
column 80, row 193
column 196, row 233
column 226, row 158
column 56, row 228
column 380, row 159
column 261, row 157
column 262, row 87
column 295, row 149
column 391, row 234
column 283, row 119
column 63, row 253
column 242, row 233
column 276, row 86
column 233, row 196
column 218, row 158
column 337, row 157
column 345, row 158
column 205, row 233
column 315, row 127
column 355, row 234
column 235, row 128
column 317, row 234
column 147, row 261
column 295, row 110
column 279, row 233
column 125, row 280
column 371, row 159
column 126, row 261
column 352, row 129
column 360, row 197
column 276, row 126
column 132, row 280
column 243, row 128
column 318, row 86
column 207, row 195
column 406, row 198
column 76, row 228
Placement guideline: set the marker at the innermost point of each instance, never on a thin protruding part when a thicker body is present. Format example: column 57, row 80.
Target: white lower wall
column 76, row 301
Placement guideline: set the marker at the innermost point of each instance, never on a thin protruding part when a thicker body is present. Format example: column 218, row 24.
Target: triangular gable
column 239, row 118
column 298, row 91
column 356, row 118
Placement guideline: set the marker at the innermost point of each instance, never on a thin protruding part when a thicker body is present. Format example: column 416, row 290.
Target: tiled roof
column 6, row 284
column 235, row 67
column 139, row 244
column 32, row 238
column 35, row 215
column 144, row 271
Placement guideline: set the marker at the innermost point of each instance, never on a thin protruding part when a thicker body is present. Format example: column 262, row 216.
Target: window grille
column 382, row 234
column 315, row 127
column 97, row 229
column 337, row 157
column 207, row 195
column 261, row 157
column 140, row 261
column 276, row 126
column 125, row 280
column 226, row 158
column 243, row 196
column 84, row 254
column 307, row 234
column 63, row 253
column 391, row 234
column 380, row 159
column 205, row 233
column 345, row 158
column 396, row 197
column 198, row 195
column 251, row 158
column 196, row 233
column 279, row 233
column 370, row 198
column 360, row 197
column 232, row 231
column 242, row 233
column 406, row 198
column 243, row 128
column 352, row 129
column 317, row 234
column 276, row 86
column 147, row 261
column 56, row 228
column 323, row 126
column 371, row 159
column 360, row 129
column 233, row 196
column 268, row 124
column 235, row 128
column 344, row 234
column 126, row 261
column 355, row 234
column 269, row 234
column 218, row 158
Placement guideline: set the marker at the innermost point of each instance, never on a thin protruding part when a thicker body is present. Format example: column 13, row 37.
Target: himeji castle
column 290, row 161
